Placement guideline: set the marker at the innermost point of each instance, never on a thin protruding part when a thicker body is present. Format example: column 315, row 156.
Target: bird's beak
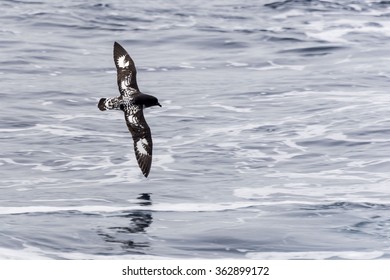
column 159, row 104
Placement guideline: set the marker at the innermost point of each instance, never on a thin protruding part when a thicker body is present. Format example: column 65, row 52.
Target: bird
column 132, row 102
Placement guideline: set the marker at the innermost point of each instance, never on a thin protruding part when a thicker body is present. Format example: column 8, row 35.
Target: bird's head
column 147, row 100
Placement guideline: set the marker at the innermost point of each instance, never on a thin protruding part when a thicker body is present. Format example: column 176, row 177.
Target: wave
column 100, row 209
column 316, row 255
column 34, row 253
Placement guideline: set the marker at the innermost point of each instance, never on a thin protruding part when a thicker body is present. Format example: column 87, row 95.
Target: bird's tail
column 102, row 104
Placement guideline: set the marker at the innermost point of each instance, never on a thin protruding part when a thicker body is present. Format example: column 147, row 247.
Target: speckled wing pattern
column 126, row 72
column 142, row 137
column 139, row 129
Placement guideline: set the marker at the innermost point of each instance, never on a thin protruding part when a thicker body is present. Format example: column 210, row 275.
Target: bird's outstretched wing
column 126, row 72
column 139, row 129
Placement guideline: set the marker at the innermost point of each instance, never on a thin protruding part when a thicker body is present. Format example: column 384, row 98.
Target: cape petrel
column 132, row 102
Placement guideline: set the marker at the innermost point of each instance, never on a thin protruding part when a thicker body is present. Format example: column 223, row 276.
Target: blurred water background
column 273, row 141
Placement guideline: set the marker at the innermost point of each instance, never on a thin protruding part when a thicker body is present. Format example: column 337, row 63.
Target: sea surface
column 273, row 140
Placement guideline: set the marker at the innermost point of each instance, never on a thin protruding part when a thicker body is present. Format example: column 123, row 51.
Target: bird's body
column 132, row 102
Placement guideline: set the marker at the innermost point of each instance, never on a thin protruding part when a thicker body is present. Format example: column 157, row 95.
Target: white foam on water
column 290, row 143
column 186, row 65
column 163, row 161
column 334, row 30
column 365, row 163
column 326, row 175
column 65, row 117
column 34, row 253
column 236, row 64
column 334, row 35
column 313, row 131
column 233, row 109
column 71, row 199
column 22, row 254
column 62, row 130
column 128, row 173
column 15, row 129
column 274, row 66
column 303, row 193
column 289, row 13
column 230, row 130
column 163, row 207
column 315, row 255
column 25, row 184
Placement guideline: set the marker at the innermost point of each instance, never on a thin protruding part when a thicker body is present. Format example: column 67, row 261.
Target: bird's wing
column 126, row 72
column 142, row 137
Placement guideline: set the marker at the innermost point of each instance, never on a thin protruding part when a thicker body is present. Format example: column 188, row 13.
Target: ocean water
column 273, row 141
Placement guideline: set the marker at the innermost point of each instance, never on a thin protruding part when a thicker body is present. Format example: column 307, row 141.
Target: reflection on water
column 138, row 221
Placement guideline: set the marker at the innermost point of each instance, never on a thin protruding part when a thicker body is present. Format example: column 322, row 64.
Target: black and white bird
column 132, row 102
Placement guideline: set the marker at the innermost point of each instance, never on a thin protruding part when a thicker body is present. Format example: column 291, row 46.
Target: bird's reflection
column 132, row 236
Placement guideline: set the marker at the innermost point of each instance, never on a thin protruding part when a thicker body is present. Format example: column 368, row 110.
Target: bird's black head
column 146, row 100
column 152, row 102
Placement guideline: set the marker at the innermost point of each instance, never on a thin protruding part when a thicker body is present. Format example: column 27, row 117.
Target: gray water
column 273, row 141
